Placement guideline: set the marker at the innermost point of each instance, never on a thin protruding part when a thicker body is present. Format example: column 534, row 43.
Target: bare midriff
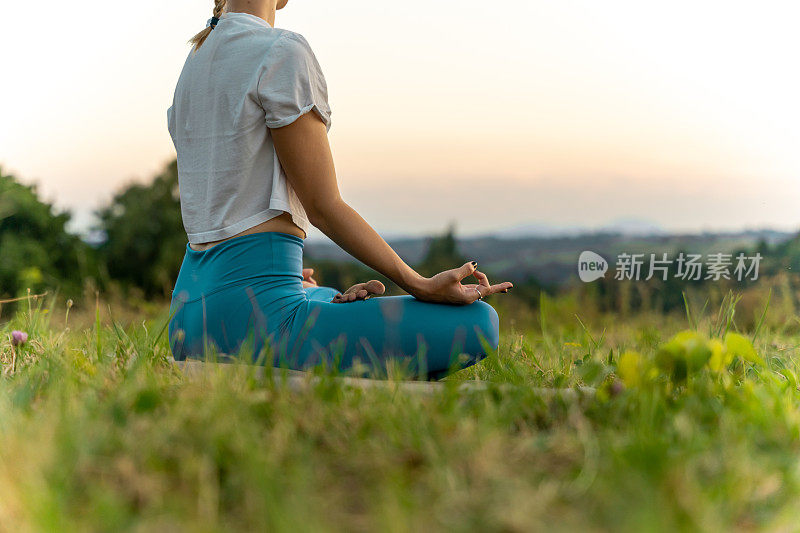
column 281, row 223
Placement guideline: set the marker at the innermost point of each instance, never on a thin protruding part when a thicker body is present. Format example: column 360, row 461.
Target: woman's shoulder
column 287, row 47
column 290, row 42
column 269, row 38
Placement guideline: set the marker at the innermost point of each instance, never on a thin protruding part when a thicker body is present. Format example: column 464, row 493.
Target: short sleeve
column 171, row 122
column 291, row 83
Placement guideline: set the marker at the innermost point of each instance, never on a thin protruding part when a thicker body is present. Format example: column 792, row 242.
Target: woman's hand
column 360, row 291
column 308, row 281
column 446, row 287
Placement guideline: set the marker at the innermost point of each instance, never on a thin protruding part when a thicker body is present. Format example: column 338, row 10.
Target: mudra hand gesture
column 446, row 287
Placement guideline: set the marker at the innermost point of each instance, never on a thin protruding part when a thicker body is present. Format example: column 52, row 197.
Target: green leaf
column 740, row 346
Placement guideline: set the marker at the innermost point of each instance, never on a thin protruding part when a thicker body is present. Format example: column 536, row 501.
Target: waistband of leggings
column 244, row 258
column 273, row 237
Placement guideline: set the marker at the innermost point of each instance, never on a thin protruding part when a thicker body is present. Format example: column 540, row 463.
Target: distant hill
column 625, row 226
column 552, row 260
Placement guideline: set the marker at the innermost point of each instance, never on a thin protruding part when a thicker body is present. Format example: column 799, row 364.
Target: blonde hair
column 199, row 39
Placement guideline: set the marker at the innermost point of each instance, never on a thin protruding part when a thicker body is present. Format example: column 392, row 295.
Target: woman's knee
column 487, row 323
column 481, row 326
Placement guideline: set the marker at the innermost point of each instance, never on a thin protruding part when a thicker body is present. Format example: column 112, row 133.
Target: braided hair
column 197, row 40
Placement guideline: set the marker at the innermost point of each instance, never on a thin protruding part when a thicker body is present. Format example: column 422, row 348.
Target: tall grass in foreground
column 688, row 430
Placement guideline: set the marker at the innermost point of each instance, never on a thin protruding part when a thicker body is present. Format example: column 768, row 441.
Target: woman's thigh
column 429, row 337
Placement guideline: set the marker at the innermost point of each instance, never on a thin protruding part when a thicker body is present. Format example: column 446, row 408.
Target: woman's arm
column 305, row 156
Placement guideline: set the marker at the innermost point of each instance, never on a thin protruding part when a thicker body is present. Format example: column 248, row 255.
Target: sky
column 485, row 115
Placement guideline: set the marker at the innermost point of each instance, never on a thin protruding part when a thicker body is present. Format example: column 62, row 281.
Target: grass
column 99, row 431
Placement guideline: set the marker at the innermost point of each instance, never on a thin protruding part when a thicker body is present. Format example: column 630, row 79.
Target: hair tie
column 212, row 22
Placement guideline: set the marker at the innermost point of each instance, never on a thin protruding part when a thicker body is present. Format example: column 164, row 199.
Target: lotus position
column 249, row 121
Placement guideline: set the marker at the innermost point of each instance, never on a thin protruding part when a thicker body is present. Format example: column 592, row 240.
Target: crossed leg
column 429, row 338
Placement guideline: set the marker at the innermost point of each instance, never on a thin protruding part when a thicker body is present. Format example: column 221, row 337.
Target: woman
column 249, row 121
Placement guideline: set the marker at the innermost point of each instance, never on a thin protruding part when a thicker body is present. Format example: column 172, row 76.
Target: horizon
column 528, row 113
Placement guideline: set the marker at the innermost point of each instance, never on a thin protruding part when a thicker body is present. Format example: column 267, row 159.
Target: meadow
column 657, row 422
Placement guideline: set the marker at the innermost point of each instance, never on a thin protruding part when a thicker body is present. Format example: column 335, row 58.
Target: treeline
column 777, row 269
column 36, row 251
column 142, row 248
column 143, row 243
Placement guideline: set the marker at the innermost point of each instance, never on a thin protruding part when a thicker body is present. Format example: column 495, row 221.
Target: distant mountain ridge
column 627, row 226
column 552, row 259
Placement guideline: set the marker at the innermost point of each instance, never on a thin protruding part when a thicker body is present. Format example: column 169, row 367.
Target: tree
column 442, row 254
column 36, row 251
column 145, row 239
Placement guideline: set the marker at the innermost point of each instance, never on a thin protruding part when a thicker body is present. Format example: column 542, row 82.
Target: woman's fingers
column 343, row 298
column 308, row 281
column 485, row 287
column 360, row 291
column 471, row 293
column 501, row 287
column 464, row 270
column 498, row 287
column 482, row 278
column 483, row 281
column 375, row 287
column 372, row 286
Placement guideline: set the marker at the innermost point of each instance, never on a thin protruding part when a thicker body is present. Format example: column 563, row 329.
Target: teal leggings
column 247, row 293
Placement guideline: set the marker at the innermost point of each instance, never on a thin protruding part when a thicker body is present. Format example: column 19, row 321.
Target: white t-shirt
column 247, row 77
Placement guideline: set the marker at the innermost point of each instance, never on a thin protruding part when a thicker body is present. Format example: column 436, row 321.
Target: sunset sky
column 571, row 113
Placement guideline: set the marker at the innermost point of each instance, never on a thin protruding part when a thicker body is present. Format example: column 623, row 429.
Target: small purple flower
column 18, row 337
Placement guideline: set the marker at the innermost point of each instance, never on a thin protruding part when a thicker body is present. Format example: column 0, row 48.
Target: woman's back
column 245, row 78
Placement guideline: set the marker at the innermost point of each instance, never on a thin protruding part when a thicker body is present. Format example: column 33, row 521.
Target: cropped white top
column 246, row 78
